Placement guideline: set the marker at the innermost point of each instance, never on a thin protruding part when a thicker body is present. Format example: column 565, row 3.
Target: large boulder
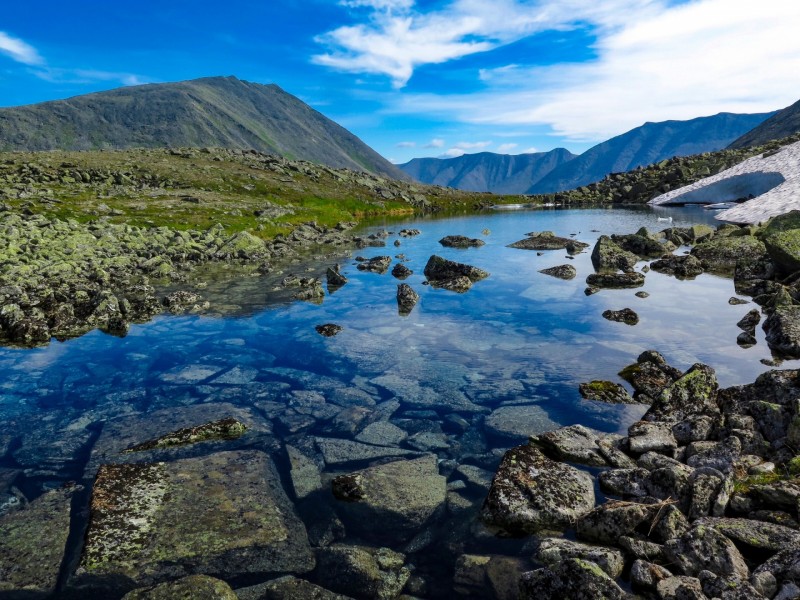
column 552, row 551
column 547, row 240
column 225, row 513
column 530, row 492
column 695, row 393
column 192, row 587
column 461, row 241
column 402, row 496
column 440, row 271
column 722, row 253
column 783, row 331
column 362, row 572
column 572, row 578
column 608, row 256
column 703, row 548
column 615, row 280
column 781, row 237
column 574, row 443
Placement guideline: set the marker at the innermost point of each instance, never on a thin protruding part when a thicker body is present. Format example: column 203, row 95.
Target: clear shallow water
column 518, row 338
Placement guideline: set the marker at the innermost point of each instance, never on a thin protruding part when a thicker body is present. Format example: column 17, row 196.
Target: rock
column 703, row 548
column 624, row 482
column 615, row 280
column 680, row 588
column 608, row 522
column 646, row 436
column 531, row 492
column 328, row 329
column 561, row 272
column 409, row 232
column 407, row 298
column 783, row 331
column 682, row 267
column 721, row 456
column 694, row 393
column 750, row 320
column 243, row 245
column 626, row 315
column 605, row 391
column 225, row 513
column 670, row 523
column 646, row 575
column 192, row 587
column 337, row 451
column 382, row 433
column 710, row 493
column 574, row 443
column 573, row 578
column 304, row 473
column 461, row 241
column 440, row 272
column 650, row 375
column 694, row 429
column 754, row 534
column 642, row 548
column 608, row 256
column 782, row 241
column 551, row 551
column 287, row 588
column 334, row 277
column 401, row 495
column 362, row 572
column 518, row 423
column 224, row 429
column 32, row 544
column 400, row 271
column 547, row 240
column 727, row 588
column 721, row 254
column 487, row 576
column 641, row 244
column 378, row 264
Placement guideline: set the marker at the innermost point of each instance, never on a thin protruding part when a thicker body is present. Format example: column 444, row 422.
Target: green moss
column 224, row 429
column 743, row 486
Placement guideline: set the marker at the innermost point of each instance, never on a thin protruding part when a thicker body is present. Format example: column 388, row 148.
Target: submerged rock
column 225, row 513
column 530, row 492
column 224, row 429
column 402, row 496
column 565, row 272
column 518, row 423
column 605, row 391
column 461, row 241
column 362, row 572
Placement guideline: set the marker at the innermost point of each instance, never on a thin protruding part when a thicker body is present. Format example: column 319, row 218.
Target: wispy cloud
column 406, row 144
column 56, row 75
column 660, row 62
column 506, row 148
column 472, row 145
column 397, row 37
column 435, row 143
column 19, row 50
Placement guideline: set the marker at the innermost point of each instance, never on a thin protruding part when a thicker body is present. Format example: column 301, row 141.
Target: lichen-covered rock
column 605, row 391
column 612, row 520
column 439, row 271
column 625, row 315
column 703, row 548
column 721, row 253
column 461, row 241
column 574, row 443
column 784, row 566
column 362, row 572
column 641, row 243
column 547, row 240
column 755, row 534
column 615, row 280
column 680, row 588
column 624, row 482
column 682, row 267
column 224, row 429
column 531, row 492
column 225, row 513
column 402, row 496
column 782, row 240
column 727, row 588
column 573, row 578
column 287, row 588
column 644, row 436
column 646, row 575
column 783, row 331
column 608, row 256
column 694, row 393
column 32, row 544
column 192, row 587
column 565, row 272
column 649, row 375
column 407, row 298
column 551, row 551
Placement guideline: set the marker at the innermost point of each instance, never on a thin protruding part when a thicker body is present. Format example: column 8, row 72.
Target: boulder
column 782, row 240
column 574, row 443
column 530, row 492
column 626, row 483
column 334, row 277
column 608, row 522
column 407, row 299
column 287, row 588
column 518, row 423
column 402, row 496
column 551, row 551
column 646, row 575
column 644, row 436
column 615, row 280
column 703, row 548
column 721, row 254
column 377, row 264
column 439, row 271
column 547, row 240
column 680, row 588
column 649, row 375
column 625, row 315
column 783, row 331
column 608, row 256
column 362, row 572
column 461, row 241
column 328, row 329
column 565, row 272
column 682, row 267
column 640, row 243
column 755, row 534
column 400, row 271
column 695, row 393
column 192, row 587
column 573, row 578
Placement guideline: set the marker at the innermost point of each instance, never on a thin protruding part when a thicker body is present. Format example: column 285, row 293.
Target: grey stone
column 362, row 572
column 646, row 575
column 704, row 548
column 573, row 578
column 518, row 423
column 337, row 451
column 552, row 551
column 574, row 443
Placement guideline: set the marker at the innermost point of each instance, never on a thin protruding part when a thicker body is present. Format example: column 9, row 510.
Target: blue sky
column 428, row 77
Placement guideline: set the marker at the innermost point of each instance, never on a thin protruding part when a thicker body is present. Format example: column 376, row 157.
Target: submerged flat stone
column 518, row 423
column 337, row 451
column 32, row 544
column 222, row 514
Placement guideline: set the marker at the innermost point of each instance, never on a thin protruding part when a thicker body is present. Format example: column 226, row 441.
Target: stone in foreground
column 573, row 578
column 193, row 587
column 225, row 514
column 362, row 572
column 530, row 492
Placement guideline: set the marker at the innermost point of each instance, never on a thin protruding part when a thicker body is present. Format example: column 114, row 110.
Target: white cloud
column 78, row 76
column 435, row 143
column 452, row 153
column 406, row 144
column 506, row 148
column 679, row 62
column 19, row 50
column 531, row 150
column 472, row 145
column 399, row 37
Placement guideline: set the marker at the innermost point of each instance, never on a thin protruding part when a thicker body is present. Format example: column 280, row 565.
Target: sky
column 438, row 78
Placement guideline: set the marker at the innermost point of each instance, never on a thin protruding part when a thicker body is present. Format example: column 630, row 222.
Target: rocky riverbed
column 208, row 464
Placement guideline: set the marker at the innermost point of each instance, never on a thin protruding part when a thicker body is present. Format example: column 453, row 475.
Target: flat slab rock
column 222, row 514
column 574, row 443
column 573, row 578
column 518, row 423
column 530, row 492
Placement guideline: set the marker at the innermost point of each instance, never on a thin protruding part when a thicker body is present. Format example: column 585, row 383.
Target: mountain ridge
column 782, row 124
column 223, row 112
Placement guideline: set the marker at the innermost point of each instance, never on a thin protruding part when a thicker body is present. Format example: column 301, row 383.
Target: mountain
column 780, row 125
column 645, row 145
column 214, row 111
column 486, row 171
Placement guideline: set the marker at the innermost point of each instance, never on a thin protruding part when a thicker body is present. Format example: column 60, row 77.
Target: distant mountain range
column 644, row 145
column 486, row 171
column 782, row 124
column 215, row 111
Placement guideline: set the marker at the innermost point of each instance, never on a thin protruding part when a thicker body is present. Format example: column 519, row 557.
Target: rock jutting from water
column 461, row 241
column 452, row 275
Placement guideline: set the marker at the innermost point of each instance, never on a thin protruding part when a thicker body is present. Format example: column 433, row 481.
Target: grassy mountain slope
column 780, row 125
column 211, row 112
column 486, row 171
column 645, row 145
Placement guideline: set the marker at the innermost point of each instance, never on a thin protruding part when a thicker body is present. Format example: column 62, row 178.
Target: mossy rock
column 193, row 587
column 722, row 253
column 785, row 222
column 784, row 249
